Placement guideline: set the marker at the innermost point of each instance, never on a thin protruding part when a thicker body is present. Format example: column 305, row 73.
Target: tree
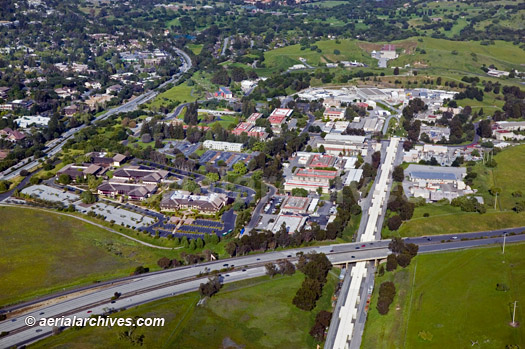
column 164, row 263
column 299, row 192
column 308, row 294
column 230, row 248
column 394, row 222
column 398, row 174
column 286, row 267
column 391, row 262
column 88, row 197
column 396, row 71
column 240, row 168
column 271, row 269
column 210, row 288
column 64, row 179
column 403, row 259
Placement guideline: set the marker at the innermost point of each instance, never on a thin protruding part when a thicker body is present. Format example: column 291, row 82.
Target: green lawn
column 449, row 300
column 44, row 252
column 256, row 313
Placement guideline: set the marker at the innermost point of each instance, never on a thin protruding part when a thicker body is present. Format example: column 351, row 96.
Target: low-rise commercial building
column 140, row 174
column 132, row 191
column 295, row 204
column 222, row 146
column 178, row 200
column 310, row 180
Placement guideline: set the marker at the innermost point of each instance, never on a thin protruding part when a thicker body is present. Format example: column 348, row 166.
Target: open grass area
column 285, row 57
column 45, row 252
column 195, row 48
column 449, row 300
column 509, row 175
column 456, row 221
column 467, row 57
column 256, row 313
column 181, row 93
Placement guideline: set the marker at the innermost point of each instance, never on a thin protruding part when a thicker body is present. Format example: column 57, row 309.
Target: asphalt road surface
column 148, row 287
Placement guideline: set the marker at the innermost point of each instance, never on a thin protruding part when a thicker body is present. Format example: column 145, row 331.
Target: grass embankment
column 449, row 300
column 44, row 252
column 256, row 313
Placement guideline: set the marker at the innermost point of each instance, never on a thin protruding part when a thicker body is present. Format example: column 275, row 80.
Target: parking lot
column 214, row 156
column 111, row 213
column 185, row 147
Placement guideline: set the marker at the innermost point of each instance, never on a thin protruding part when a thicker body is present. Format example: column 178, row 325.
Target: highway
column 56, row 145
column 152, row 286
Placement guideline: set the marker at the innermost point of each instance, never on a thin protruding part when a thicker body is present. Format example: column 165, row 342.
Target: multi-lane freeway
column 56, row 145
column 135, row 290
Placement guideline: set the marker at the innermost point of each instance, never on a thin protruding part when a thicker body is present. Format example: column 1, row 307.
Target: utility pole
column 496, row 201
column 504, row 238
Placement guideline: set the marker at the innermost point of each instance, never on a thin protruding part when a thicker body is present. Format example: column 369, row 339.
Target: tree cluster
column 316, row 267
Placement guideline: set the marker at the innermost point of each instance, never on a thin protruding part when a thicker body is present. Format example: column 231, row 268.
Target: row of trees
column 316, row 267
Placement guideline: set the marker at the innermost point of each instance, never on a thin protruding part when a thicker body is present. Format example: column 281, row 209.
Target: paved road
column 57, row 145
column 148, row 287
column 258, row 209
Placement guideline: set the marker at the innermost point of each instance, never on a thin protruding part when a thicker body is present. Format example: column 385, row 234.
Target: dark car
column 289, row 256
column 357, row 247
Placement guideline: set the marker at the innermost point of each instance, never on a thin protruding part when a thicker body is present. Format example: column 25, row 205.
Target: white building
column 223, row 146
column 36, row 120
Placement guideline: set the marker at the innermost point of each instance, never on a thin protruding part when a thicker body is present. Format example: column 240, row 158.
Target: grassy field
column 469, row 57
column 456, row 221
column 449, row 300
column 195, row 48
column 255, row 313
column 509, row 175
column 45, row 252
column 181, row 93
column 285, row 57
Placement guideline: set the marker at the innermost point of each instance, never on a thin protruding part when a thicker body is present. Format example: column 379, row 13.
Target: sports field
column 449, row 300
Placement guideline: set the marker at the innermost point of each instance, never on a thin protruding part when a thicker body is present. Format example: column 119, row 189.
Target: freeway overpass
column 56, row 146
column 145, row 288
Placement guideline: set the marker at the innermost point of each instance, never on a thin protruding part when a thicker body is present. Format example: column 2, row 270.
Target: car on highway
column 454, row 238
column 363, row 245
column 89, row 311
column 357, row 247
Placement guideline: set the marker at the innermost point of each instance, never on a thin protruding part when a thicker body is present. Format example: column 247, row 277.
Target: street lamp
column 504, row 238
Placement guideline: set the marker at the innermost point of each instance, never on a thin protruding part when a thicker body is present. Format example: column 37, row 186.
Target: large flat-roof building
column 334, row 114
column 336, row 144
column 310, row 179
column 295, row 204
column 222, row 146
column 321, row 161
column 293, row 223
